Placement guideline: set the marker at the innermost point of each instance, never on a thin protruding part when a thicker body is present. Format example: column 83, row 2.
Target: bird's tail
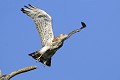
column 37, row 56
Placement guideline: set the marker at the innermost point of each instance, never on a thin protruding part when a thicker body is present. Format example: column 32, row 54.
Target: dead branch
column 9, row 76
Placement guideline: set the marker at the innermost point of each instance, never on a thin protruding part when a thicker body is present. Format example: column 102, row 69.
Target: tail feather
column 36, row 55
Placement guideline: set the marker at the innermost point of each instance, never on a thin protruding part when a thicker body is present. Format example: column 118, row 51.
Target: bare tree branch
column 9, row 76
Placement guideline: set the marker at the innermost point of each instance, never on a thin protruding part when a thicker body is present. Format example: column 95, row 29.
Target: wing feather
column 43, row 23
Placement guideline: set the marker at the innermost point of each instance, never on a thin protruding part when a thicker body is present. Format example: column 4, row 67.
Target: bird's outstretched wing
column 43, row 23
column 77, row 30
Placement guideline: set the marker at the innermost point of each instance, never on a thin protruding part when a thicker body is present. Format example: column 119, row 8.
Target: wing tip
column 23, row 10
column 83, row 25
column 31, row 6
column 27, row 8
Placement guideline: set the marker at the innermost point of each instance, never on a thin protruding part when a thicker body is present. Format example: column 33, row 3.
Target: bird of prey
column 50, row 43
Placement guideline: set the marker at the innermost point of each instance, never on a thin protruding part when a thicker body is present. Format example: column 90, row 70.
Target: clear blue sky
column 92, row 54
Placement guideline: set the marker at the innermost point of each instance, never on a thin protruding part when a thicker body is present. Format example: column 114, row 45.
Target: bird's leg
column 39, row 55
column 38, row 59
column 42, row 51
column 77, row 30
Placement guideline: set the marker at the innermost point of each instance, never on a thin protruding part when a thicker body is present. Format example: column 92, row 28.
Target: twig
column 8, row 77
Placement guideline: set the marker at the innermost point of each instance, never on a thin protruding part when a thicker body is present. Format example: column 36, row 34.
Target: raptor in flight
column 50, row 43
